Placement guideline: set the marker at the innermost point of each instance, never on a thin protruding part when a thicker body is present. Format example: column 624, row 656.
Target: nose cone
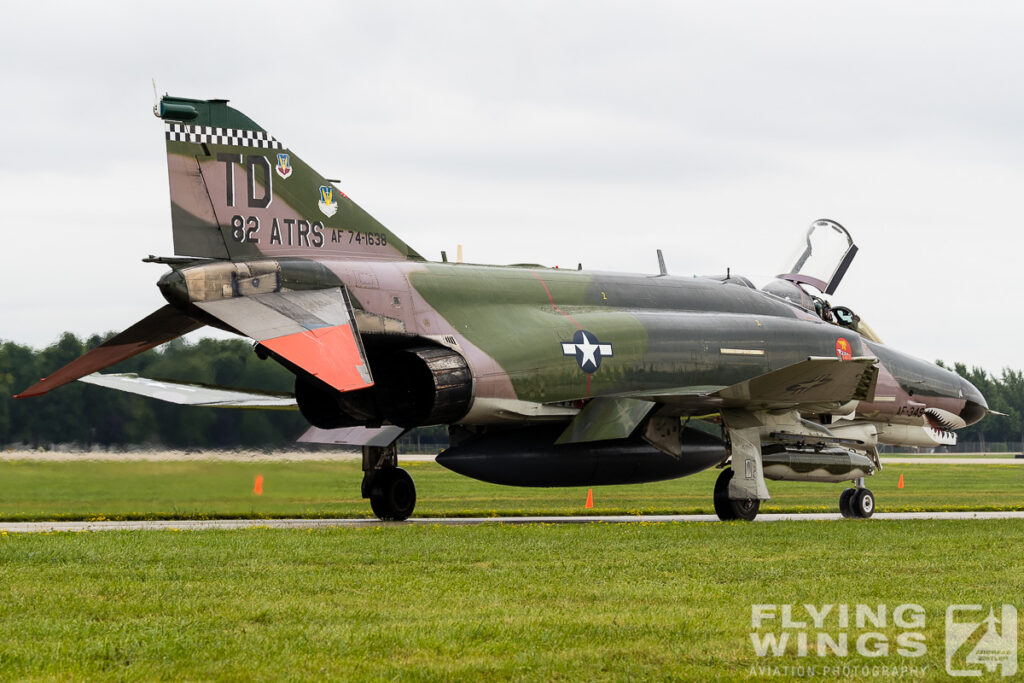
column 976, row 406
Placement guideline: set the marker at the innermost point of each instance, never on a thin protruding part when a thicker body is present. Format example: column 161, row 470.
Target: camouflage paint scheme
column 259, row 235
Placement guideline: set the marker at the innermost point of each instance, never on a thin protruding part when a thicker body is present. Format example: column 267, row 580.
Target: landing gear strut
column 857, row 502
column 727, row 509
column 390, row 489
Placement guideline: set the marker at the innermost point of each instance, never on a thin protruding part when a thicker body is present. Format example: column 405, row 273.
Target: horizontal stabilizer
column 312, row 329
column 191, row 394
column 354, row 436
column 161, row 326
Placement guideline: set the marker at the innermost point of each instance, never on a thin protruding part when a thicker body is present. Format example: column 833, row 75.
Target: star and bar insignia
column 587, row 350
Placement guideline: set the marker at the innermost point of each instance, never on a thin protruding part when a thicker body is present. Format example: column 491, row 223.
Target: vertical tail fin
column 237, row 192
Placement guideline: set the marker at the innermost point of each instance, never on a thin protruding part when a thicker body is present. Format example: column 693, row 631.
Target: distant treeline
column 1005, row 394
column 93, row 416
column 89, row 416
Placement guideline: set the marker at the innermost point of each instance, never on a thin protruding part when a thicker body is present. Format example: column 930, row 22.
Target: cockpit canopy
column 821, row 261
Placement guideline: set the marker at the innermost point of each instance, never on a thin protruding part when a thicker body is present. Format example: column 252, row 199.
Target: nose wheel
column 857, row 503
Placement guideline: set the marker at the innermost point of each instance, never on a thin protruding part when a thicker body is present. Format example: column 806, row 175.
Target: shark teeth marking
column 940, row 425
column 943, row 419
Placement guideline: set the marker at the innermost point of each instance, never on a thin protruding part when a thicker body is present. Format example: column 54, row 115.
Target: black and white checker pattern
column 180, row 132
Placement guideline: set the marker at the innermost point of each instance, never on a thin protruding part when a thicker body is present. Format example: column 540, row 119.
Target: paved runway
column 952, row 461
column 324, row 456
column 886, row 460
column 194, row 524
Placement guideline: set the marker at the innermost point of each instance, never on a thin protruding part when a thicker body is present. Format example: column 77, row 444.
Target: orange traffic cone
column 590, row 498
column 257, row 488
column 900, row 485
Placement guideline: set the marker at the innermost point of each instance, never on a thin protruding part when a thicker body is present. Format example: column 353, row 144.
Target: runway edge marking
column 205, row 524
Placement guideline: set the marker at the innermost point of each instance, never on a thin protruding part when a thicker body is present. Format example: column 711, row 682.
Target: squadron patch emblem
column 284, row 165
column 587, row 349
column 843, row 349
column 328, row 204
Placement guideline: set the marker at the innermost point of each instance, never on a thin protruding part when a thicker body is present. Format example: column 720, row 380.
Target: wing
column 812, row 382
column 161, row 326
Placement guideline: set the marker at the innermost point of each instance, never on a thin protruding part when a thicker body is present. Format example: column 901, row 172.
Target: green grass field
column 32, row 490
column 534, row 602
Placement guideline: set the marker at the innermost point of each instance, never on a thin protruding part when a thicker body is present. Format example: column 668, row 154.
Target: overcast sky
column 548, row 132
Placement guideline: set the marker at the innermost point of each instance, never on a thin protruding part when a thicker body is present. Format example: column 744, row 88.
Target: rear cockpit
column 821, row 260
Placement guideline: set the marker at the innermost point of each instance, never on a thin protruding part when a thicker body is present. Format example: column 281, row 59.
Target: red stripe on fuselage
column 552, row 300
column 554, row 306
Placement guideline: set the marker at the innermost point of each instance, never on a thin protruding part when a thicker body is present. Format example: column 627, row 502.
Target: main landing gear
column 857, row 502
column 390, row 489
column 727, row 509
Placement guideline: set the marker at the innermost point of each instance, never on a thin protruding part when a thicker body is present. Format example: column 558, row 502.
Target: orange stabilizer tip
column 330, row 353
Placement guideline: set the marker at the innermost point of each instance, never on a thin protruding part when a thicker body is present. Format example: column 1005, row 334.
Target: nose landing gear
column 857, row 502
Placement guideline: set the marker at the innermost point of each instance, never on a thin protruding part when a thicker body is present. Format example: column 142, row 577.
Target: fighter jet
column 543, row 376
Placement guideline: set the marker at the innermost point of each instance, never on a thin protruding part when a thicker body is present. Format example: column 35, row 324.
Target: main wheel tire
column 727, row 509
column 863, row 503
column 722, row 507
column 746, row 509
column 845, row 503
column 392, row 495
